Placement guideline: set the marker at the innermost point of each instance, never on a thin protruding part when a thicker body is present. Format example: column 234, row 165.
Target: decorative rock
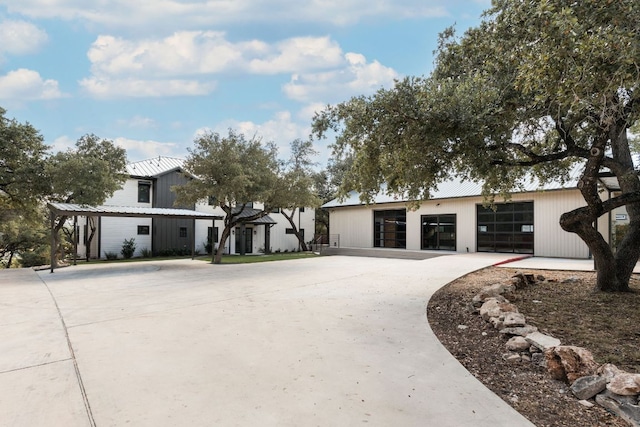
column 494, row 291
column 586, row 403
column 538, row 359
column 534, row 349
column 628, row 412
column 462, row 327
column 587, row 387
column 568, row 363
column 540, row 278
column 522, row 331
column 572, row 279
column 626, row 400
column 517, row 344
column 609, row 370
column 494, row 308
column 523, row 279
column 525, row 357
column 625, row 384
column 511, row 358
column 513, row 320
column 542, row 341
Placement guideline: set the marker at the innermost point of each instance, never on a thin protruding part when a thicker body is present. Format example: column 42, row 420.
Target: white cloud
column 62, row 143
column 28, row 85
column 150, row 15
column 207, row 52
column 299, row 53
column 139, row 150
column 21, row 37
column 359, row 77
column 137, row 122
column 106, row 88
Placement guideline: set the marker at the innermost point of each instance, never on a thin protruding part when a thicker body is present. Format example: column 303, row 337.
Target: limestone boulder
column 522, row 331
column 542, row 341
column 513, row 320
column 625, row 384
column 587, row 387
column 517, row 344
column 496, row 290
column 492, row 307
column 568, row 363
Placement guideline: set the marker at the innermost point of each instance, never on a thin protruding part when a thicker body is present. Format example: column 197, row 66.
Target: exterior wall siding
column 354, row 224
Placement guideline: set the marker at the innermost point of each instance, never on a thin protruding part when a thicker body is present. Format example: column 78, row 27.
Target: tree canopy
column 536, row 90
column 231, row 171
column 296, row 185
column 22, row 166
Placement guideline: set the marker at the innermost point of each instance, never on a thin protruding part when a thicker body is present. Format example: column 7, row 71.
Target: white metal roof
column 454, row 188
column 70, row 209
column 154, row 167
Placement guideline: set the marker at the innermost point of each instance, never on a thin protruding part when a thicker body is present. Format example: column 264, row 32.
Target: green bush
column 32, row 259
column 146, row 253
column 128, row 248
column 111, row 255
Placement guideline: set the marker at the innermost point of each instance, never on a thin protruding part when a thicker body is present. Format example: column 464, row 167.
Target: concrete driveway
column 328, row 341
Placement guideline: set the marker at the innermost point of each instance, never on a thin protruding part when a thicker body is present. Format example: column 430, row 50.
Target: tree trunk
column 303, row 245
column 10, row 259
column 58, row 249
column 608, row 277
column 91, row 225
column 217, row 254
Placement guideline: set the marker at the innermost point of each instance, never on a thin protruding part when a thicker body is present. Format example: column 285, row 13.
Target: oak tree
column 538, row 89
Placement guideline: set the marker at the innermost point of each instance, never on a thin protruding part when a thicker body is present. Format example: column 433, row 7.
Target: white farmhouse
column 149, row 186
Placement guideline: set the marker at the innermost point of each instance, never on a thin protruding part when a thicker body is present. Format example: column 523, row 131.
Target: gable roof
column 154, row 167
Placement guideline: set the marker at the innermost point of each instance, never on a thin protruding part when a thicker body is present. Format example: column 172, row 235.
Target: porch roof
column 71, row 209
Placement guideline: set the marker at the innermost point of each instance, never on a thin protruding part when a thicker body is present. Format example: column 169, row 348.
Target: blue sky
column 152, row 74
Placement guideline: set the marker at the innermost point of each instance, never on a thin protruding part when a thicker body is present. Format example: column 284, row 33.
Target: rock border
column 614, row 389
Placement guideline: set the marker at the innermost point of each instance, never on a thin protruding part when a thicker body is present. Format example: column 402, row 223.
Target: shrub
column 128, row 248
column 146, row 253
column 32, row 259
column 111, row 255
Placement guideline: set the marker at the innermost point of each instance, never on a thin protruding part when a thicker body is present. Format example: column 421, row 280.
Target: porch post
column 52, row 218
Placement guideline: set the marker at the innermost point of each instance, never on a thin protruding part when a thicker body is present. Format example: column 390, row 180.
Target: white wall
column 355, row 224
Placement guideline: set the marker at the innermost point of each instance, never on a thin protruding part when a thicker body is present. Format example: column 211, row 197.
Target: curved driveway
column 327, row 341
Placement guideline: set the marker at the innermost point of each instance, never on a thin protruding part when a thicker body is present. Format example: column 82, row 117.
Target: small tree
column 232, row 171
column 87, row 175
column 296, row 186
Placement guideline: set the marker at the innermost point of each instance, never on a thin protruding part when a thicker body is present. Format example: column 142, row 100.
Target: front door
column 248, row 240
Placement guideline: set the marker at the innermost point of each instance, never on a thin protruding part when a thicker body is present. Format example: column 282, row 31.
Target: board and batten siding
column 354, row 224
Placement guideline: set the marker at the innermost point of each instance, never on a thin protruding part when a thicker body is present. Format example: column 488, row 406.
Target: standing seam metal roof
column 154, row 167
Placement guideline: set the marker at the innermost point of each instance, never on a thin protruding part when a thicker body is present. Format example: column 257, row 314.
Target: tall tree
column 86, row 175
column 22, row 166
column 231, row 171
column 538, row 88
column 296, row 187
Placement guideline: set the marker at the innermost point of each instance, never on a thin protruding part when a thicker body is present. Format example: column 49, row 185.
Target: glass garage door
column 507, row 229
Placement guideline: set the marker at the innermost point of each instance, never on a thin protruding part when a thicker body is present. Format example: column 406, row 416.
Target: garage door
column 508, row 228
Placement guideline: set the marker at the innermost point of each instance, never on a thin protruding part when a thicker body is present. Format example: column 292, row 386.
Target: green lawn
column 248, row 259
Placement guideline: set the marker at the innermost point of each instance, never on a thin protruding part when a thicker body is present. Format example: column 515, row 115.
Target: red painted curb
column 507, row 261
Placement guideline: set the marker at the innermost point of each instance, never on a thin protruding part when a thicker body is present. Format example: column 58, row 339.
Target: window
column 183, row 231
column 289, row 231
column 248, row 205
column 275, row 210
column 390, row 229
column 302, row 209
column 438, row 232
column 212, row 234
column 508, row 228
column 143, row 229
column 144, row 191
